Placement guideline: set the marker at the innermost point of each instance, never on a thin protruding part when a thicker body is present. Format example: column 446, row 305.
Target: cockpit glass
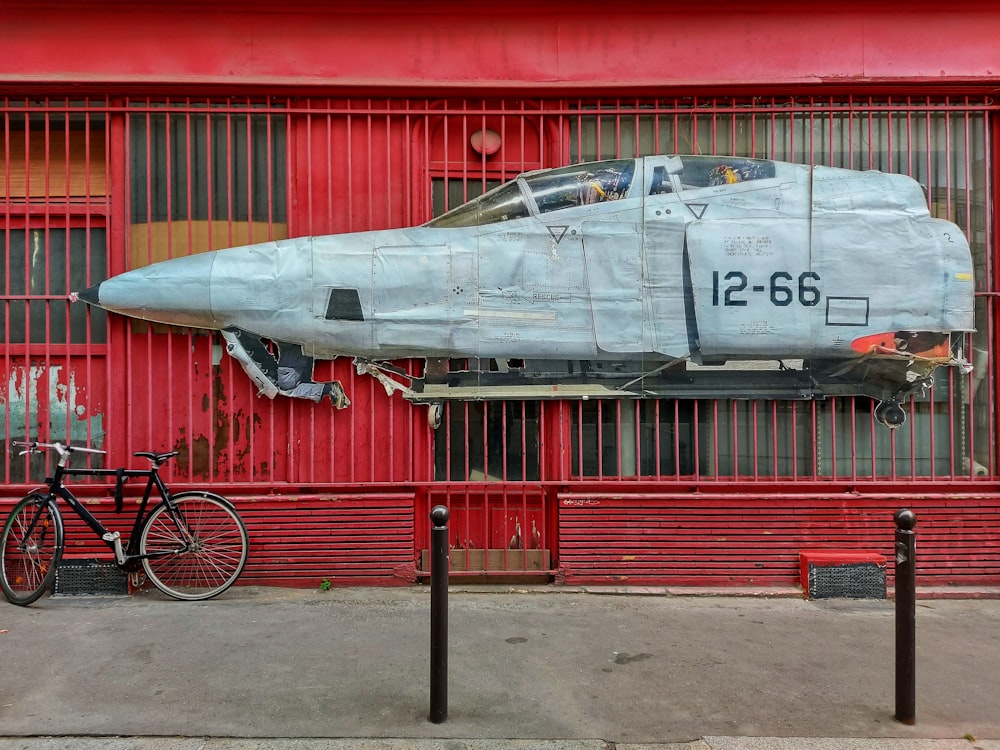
column 500, row 204
column 711, row 171
column 581, row 184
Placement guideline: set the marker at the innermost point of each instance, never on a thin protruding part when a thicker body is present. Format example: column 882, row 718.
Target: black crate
column 89, row 578
column 854, row 581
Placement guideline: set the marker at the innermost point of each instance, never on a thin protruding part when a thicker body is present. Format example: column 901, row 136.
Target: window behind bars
column 54, row 216
column 203, row 177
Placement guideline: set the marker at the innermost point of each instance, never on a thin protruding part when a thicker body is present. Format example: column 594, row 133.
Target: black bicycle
column 192, row 545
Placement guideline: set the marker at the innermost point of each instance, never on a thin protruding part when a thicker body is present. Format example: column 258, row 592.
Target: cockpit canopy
column 596, row 182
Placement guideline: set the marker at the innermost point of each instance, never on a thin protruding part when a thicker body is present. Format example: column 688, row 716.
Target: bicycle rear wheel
column 198, row 549
column 31, row 547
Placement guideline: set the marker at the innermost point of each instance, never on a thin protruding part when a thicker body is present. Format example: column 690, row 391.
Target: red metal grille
column 96, row 186
column 54, row 208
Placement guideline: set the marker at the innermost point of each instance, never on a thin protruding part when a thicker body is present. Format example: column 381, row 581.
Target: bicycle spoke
column 31, row 546
column 199, row 552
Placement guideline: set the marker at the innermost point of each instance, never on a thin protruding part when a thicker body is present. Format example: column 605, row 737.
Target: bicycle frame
column 129, row 554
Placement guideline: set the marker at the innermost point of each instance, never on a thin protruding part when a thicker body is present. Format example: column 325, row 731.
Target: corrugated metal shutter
column 347, row 539
column 727, row 539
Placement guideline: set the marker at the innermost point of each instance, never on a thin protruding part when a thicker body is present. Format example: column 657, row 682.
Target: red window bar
column 201, row 175
column 55, row 203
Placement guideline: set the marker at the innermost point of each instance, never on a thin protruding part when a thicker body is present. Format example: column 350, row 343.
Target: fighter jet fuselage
column 657, row 259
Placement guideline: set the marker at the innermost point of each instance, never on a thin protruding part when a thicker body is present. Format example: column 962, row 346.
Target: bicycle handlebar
column 34, row 446
column 65, row 450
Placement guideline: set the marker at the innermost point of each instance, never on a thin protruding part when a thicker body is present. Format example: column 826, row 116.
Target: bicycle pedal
column 111, row 536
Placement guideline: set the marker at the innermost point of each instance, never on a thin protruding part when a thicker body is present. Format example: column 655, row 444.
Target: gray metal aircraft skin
column 651, row 264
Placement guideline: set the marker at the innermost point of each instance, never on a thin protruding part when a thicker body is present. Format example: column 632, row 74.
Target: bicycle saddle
column 156, row 458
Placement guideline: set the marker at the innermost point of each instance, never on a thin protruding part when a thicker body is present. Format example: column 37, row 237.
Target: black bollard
column 906, row 616
column 439, row 615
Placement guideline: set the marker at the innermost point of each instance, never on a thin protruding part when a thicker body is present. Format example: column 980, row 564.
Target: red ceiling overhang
column 554, row 47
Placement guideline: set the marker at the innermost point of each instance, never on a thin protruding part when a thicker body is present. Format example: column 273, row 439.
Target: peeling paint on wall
column 46, row 402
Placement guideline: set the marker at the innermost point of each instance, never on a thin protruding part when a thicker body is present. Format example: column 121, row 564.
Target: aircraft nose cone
column 174, row 291
column 91, row 295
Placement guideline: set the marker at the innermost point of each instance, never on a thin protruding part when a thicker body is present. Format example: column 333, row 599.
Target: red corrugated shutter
column 725, row 539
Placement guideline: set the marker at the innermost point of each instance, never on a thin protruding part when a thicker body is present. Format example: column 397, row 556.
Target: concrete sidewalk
column 706, row 743
column 280, row 669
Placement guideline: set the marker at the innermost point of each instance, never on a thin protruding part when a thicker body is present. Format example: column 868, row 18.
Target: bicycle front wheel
column 31, row 545
column 195, row 547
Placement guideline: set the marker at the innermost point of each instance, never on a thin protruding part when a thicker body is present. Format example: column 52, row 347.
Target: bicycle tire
column 202, row 560
column 28, row 559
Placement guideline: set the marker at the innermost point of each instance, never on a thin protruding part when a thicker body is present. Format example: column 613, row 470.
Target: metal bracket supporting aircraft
column 660, row 276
